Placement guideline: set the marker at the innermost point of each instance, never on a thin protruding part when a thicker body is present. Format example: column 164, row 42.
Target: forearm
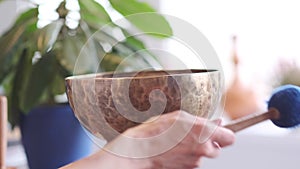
column 106, row 160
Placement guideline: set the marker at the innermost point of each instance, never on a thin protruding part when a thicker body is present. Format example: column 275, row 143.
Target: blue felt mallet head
column 284, row 110
column 286, row 99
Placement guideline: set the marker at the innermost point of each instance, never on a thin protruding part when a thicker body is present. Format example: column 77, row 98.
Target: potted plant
column 34, row 60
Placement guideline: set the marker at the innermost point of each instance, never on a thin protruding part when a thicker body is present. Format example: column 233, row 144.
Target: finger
column 218, row 122
column 216, row 144
column 223, row 136
column 207, row 149
column 204, row 129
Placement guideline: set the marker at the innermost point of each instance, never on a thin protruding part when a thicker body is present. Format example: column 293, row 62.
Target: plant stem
column 61, row 10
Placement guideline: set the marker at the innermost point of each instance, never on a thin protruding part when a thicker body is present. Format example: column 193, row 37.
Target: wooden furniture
column 3, row 132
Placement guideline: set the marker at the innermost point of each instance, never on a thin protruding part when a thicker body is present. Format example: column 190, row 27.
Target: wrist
column 108, row 160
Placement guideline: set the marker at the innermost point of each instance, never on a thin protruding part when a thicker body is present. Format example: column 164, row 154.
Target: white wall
column 8, row 12
column 266, row 30
column 7, row 15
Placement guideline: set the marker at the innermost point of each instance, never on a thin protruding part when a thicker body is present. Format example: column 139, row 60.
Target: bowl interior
column 141, row 74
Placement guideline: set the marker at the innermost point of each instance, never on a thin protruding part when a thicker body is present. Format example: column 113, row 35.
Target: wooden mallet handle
column 252, row 119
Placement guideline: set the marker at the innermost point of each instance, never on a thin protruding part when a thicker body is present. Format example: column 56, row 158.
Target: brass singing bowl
column 107, row 104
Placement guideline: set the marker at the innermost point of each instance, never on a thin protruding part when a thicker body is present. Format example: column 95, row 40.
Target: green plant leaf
column 122, row 49
column 58, row 85
column 93, row 13
column 39, row 79
column 9, row 39
column 47, row 36
column 15, row 59
column 20, row 78
column 78, row 56
column 10, row 44
column 27, row 15
column 102, row 36
column 69, row 52
column 111, row 61
column 135, row 43
column 138, row 45
column 147, row 20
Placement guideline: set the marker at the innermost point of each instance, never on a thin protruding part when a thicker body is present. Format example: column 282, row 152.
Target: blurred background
column 257, row 43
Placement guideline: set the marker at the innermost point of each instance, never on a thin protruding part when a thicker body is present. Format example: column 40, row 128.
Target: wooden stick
column 250, row 120
column 3, row 131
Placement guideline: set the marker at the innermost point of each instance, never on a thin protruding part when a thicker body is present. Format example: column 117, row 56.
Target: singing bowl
column 107, row 104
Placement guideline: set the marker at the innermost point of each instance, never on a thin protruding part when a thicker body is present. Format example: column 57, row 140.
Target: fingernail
column 218, row 122
column 217, row 145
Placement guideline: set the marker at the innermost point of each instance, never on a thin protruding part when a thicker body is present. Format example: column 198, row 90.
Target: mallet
column 283, row 110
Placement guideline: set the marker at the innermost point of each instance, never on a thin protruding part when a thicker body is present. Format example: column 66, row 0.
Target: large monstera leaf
column 143, row 16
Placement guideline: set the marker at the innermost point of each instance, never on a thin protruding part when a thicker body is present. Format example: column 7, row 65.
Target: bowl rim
column 126, row 75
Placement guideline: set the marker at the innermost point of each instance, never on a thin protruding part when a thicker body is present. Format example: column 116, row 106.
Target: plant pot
column 52, row 137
